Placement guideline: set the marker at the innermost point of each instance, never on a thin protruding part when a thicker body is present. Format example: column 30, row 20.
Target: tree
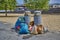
column 11, row 4
column 1, row 4
column 7, row 5
column 25, row 1
column 37, row 4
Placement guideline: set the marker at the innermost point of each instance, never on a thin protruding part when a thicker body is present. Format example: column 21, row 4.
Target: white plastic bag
column 45, row 29
column 34, row 30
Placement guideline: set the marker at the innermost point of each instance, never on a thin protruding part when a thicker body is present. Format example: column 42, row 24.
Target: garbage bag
column 19, row 20
column 24, row 28
column 45, row 29
column 20, row 23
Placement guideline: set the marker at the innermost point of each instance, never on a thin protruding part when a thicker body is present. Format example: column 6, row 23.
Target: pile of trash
column 22, row 27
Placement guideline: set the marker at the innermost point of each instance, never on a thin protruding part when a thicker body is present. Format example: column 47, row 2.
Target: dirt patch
column 52, row 21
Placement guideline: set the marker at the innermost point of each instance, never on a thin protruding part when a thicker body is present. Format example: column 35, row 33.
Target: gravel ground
column 52, row 21
column 7, row 34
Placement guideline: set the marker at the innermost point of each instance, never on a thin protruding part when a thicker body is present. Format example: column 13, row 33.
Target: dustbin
column 27, row 17
column 37, row 18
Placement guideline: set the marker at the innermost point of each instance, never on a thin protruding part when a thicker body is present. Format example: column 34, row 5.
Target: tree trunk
column 6, row 9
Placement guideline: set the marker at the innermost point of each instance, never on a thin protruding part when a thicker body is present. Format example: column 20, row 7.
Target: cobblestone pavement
column 7, row 34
